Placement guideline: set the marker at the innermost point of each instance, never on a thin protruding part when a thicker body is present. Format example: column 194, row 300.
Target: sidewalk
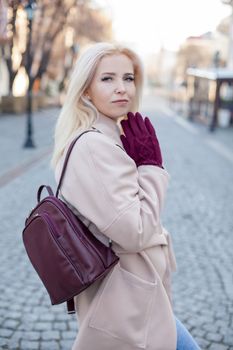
column 14, row 158
column 221, row 135
column 198, row 213
column 27, row 320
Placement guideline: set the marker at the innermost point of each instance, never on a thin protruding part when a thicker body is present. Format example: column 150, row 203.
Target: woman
column 115, row 182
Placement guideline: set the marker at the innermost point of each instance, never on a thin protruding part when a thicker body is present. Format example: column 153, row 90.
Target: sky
column 148, row 25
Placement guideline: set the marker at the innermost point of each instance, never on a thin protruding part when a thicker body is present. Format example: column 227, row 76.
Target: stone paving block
column 204, row 312
column 40, row 310
column 16, row 315
column 73, row 325
column 221, row 313
column 42, row 326
column 203, row 343
column 26, row 326
column 197, row 332
column 13, row 344
column 32, row 335
column 221, row 323
column 210, row 327
column 192, row 322
column 66, row 344
column 30, row 345
column 18, row 334
column 15, row 307
column 3, row 304
column 27, row 308
column 214, row 337
column 3, row 343
column 5, row 332
column 63, row 317
column 30, row 317
column 51, row 335
column 60, row 326
column 228, row 338
column 11, row 324
column 49, row 345
column 226, row 331
column 47, row 317
column 69, row 335
column 218, row 347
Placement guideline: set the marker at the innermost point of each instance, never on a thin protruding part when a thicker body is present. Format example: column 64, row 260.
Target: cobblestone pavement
column 13, row 134
column 198, row 213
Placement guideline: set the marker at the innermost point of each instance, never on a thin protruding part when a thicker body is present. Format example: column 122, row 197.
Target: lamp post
column 29, row 8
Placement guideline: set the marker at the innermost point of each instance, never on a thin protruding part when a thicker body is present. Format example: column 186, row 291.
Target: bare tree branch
column 51, row 23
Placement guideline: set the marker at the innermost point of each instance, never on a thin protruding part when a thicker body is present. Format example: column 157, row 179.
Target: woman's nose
column 120, row 88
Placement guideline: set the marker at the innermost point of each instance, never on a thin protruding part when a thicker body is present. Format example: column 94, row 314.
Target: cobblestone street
column 198, row 214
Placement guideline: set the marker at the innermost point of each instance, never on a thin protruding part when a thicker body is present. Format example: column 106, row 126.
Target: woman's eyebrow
column 112, row 73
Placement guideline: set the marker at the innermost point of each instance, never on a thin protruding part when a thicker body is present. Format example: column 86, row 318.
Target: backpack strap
column 70, row 303
column 48, row 188
column 70, row 306
column 67, row 158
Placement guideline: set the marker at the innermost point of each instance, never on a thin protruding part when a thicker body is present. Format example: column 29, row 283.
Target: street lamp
column 30, row 9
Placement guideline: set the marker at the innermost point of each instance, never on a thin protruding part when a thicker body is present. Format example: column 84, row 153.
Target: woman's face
column 112, row 89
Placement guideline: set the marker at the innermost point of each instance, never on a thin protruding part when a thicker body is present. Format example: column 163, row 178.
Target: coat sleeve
column 124, row 202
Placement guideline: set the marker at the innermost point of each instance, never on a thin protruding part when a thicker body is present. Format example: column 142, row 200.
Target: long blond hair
column 78, row 113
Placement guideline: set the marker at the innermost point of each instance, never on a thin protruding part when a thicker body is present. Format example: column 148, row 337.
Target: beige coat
column 131, row 308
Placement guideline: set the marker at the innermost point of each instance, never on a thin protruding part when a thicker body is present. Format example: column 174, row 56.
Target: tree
column 3, row 21
column 13, row 41
column 52, row 21
column 85, row 24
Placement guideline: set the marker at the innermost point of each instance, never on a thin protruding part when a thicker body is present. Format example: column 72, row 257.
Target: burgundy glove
column 140, row 141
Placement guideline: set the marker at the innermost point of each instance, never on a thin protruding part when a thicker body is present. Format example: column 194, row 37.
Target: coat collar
column 109, row 127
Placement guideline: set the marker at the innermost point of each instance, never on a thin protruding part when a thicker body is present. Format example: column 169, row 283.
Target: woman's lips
column 120, row 101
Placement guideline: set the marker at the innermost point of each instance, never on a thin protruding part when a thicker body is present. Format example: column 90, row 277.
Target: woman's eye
column 106, row 79
column 129, row 78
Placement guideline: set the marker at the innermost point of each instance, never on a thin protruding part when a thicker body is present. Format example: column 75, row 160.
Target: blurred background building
column 55, row 44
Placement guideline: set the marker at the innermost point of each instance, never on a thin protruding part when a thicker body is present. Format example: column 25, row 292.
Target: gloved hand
column 140, row 141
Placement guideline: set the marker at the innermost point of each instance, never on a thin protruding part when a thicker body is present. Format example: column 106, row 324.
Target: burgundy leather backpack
column 65, row 254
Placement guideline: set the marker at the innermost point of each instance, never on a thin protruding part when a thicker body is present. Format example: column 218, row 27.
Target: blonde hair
column 78, row 113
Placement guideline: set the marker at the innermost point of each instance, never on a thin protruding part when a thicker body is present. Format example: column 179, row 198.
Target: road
column 198, row 214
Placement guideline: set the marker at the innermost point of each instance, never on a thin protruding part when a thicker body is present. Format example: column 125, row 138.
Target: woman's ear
column 87, row 95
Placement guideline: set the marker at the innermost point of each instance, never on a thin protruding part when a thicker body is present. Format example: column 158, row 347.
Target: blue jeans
column 184, row 339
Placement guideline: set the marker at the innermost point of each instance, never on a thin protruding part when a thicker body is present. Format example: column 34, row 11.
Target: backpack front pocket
column 124, row 306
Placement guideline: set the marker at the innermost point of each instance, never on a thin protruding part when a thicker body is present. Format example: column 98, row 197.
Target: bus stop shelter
column 217, row 77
